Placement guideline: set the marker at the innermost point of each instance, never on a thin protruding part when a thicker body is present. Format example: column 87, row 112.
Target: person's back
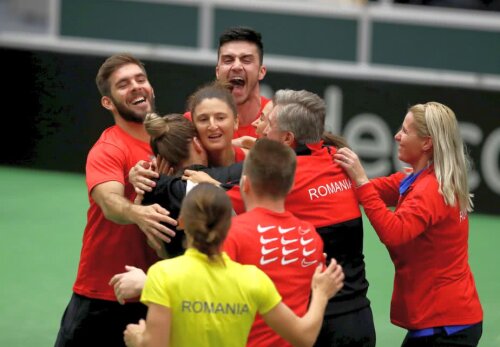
column 287, row 249
column 323, row 195
column 211, row 304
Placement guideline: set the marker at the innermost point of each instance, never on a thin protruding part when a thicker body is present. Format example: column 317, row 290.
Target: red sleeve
column 388, row 187
column 104, row 164
column 413, row 215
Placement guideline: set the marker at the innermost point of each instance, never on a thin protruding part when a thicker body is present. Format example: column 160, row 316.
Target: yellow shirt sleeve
column 267, row 296
column 155, row 287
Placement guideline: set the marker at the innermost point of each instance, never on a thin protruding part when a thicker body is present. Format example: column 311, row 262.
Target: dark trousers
column 464, row 338
column 352, row 329
column 93, row 322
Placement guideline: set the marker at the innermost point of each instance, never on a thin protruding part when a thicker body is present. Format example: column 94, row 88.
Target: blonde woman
column 434, row 294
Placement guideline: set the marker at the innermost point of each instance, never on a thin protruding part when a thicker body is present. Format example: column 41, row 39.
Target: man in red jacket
column 268, row 236
column 323, row 195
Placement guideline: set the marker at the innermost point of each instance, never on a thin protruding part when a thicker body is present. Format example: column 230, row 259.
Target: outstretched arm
column 110, row 198
column 245, row 142
column 304, row 331
column 129, row 284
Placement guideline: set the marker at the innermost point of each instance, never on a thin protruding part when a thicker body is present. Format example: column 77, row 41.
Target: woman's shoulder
column 427, row 180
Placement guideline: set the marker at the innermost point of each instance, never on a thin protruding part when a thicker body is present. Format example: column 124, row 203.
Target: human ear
column 427, row 144
column 197, row 145
column 262, row 72
column 107, row 103
column 289, row 139
column 244, row 183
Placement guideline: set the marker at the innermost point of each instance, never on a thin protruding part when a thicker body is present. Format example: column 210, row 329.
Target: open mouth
column 139, row 100
column 214, row 136
column 237, row 82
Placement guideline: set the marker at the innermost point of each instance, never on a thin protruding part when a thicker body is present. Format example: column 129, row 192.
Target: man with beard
column 117, row 230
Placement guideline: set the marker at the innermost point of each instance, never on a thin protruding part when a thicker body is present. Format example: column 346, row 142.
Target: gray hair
column 302, row 113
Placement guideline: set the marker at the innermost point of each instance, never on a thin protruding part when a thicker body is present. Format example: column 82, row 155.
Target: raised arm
column 157, row 331
column 303, row 331
column 350, row 162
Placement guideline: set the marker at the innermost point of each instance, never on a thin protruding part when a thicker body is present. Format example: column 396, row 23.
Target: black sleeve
column 226, row 174
column 168, row 193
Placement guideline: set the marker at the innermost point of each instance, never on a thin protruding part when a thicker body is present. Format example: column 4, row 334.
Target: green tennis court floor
column 41, row 223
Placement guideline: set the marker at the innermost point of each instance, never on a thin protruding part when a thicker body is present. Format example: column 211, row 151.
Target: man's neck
column 249, row 110
column 136, row 130
column 267, row 203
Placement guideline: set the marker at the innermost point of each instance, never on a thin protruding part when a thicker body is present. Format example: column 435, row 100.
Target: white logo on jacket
column 278, row 249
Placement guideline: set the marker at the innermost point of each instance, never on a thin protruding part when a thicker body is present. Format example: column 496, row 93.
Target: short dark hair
column 242, row 33
column 270, row 166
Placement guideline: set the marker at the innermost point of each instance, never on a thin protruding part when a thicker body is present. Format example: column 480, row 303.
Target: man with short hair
column 240, row 61
column 268, row 236
column 113, row 238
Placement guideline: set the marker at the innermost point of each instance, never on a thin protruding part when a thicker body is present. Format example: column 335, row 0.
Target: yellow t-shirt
column 212, row 304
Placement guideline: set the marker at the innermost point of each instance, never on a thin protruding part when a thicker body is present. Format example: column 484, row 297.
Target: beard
column 130, row 115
